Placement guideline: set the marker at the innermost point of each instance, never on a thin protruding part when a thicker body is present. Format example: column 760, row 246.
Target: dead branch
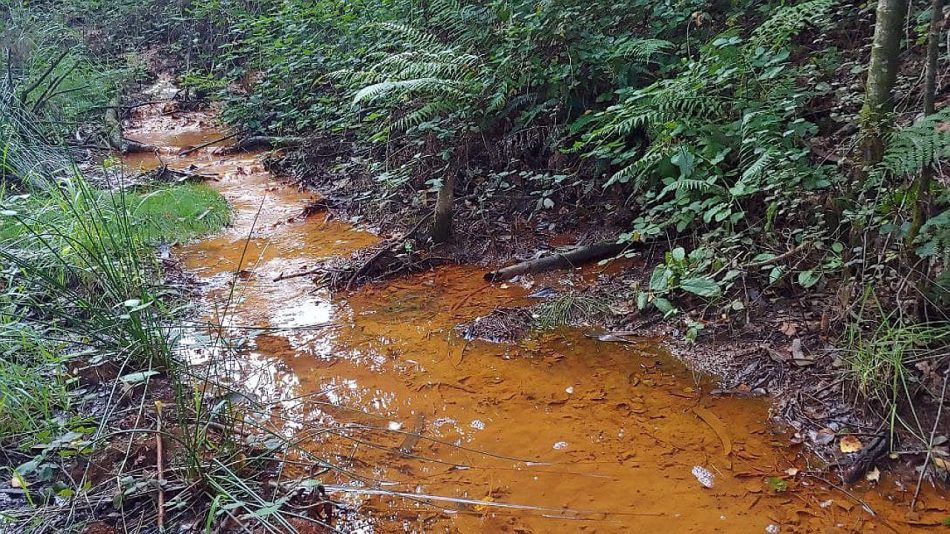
column 559, row 260
column 781, row 257
column 209, row 143
column 263, row 141
column 387, row 246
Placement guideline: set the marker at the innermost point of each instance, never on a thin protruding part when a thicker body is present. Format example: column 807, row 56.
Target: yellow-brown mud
column 557, row 433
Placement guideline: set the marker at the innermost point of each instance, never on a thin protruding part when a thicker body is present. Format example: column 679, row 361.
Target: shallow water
column 557, row 433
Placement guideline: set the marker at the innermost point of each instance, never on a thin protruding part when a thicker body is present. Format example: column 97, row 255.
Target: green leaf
column 808, row 278
column 685, row 160
column 775, row 274
column 642, row 299
column 666, row 307
column 776, row 484
column 678, row 254
column 137, row 378
column 660, row 280
column 702, row 286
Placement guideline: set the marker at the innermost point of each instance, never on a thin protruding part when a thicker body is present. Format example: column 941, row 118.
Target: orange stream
column 586, row 435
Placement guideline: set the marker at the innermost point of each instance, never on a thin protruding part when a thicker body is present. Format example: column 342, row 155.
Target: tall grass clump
column 80, row 276
column 888, row 358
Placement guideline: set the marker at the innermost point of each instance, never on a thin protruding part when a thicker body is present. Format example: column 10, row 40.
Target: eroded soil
column 430, row 432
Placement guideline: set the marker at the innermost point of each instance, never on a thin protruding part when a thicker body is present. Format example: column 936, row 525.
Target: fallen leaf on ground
column 874, row 475
column 849, row 444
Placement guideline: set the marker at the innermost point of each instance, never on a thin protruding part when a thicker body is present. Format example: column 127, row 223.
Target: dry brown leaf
column 942, row 464
column 849, row 444
column 789, row 329
column 717, row 426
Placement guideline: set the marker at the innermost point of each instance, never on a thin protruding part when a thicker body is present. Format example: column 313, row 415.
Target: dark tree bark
column 442, row 222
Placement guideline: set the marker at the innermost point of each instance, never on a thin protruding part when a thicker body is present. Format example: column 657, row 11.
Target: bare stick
column 930, row 444
column 780, row 257
column 209, row 143
column 559, row 260
column 158, row 462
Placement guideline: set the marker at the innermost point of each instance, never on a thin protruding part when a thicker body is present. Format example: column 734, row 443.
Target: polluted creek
column 428, row 431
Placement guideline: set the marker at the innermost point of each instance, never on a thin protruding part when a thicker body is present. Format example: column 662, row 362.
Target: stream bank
column 426, row 430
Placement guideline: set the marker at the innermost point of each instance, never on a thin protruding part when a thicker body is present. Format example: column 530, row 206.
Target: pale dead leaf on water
column 849, row 444
column 874, row 475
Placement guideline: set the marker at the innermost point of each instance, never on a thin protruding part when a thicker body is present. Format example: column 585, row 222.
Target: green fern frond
column 429, row 85
column 789, row 21
column 911, row 149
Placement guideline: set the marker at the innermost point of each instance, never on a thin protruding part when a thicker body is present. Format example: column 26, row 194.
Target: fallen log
column 255, row 142
column 558, row 260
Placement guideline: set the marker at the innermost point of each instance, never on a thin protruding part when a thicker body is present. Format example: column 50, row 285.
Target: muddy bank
column 422, row 429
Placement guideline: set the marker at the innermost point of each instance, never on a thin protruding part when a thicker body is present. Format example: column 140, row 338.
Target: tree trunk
column 922, row 183
column 442, row 223
column 882, row 73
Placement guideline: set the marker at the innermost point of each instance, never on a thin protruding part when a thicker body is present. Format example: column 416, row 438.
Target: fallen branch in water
column 309, row 272
column 559, row 260
column 262, row 141
column 209, row 143
column 179, row 176
column 387, row 246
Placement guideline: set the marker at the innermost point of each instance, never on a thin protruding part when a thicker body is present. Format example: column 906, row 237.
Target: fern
column 912, row 148
column 789, row 21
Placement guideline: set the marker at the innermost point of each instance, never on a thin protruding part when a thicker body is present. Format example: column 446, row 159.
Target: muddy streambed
column 557, row 433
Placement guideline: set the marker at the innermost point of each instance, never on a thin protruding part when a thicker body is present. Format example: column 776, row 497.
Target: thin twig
column 159, row 463
column 930, row 444
column 778, row 258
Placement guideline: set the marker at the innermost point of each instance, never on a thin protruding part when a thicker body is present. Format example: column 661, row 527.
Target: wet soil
column 431, row 432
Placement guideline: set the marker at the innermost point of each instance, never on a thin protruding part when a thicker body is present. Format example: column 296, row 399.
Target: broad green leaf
column 775, row 274
column 808, row 278
column 666, row 307
column 659, row 282
column 702, row 286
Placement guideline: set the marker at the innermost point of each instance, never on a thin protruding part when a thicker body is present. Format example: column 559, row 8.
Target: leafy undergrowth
column 80, row 302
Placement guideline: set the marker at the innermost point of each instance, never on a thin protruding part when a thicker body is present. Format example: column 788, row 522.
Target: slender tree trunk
column 442, row 223
column 882, row 73
column 922, row 184
column 875, row 117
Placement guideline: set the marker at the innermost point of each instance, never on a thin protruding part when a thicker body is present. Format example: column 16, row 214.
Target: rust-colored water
column 557, row 433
